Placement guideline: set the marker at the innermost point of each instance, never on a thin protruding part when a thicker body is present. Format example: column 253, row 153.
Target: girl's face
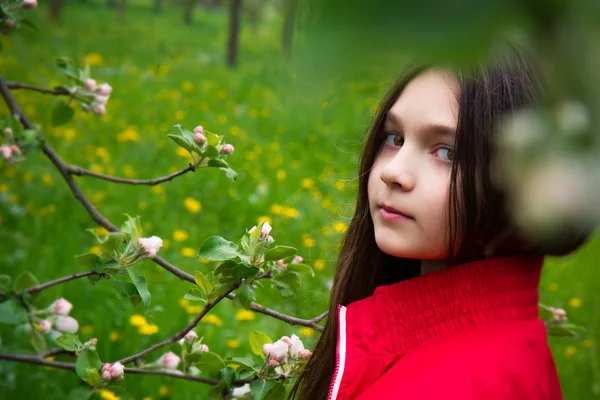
column 411, row 172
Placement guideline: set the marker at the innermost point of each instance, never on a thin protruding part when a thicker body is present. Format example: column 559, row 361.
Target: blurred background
column 292, row 85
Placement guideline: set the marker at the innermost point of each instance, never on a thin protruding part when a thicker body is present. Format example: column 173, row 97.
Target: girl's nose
column 399, row 170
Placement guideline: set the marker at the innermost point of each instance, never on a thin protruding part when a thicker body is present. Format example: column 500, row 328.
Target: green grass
column 165, row 73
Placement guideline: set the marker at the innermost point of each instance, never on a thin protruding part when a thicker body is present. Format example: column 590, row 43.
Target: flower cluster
column 266, row 229
column 58, row 320
column 201, row 139
column 281, row 351
column 168, row 361
column 8, row 151
column 113, row 373
column 97, row 96
column 150, row 245
column 29, row 4
column 283, row 266
column 560, row 315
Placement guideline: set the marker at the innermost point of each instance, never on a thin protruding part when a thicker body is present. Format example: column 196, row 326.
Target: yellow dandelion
column 253, row 113
column 339, row 227
column 307, row 183
column 312, row 137
column 265, row 218
column 212, row 319
column 181, row 152
column 589, row 343
column 13, row 198
column 326, row 230
column 570, row 351
column 102, row 153
column 96, row 250
column 296, row 164
column 291, row 212
column 87, row 329
column 148, row 329
column 158, row 189
column 280, row 175
column 128, row 135
column 180, row 235
column 221, row 94
column 114, row 336
column 69, row 134
column 192, row 205
column 179, row 115
column 234, row 130
column 233, row 343
column 188, row 252
column 183, row 302
column 47, row 180
column 306, row 331
column 97, row 168
column 27, row 177
column 265, row 112
column 163, row 69
column 94, row 59
column 552, row 286
column 204, row 260
column 138, row 320
column 575, row 302
column 245, row 315
column 3, row 188
column 277, row 209
column 106, row 394
column 308, row 241
column 187, row 86
column 193, row 309
column 340, row 185
column 319, row 264
column 166, row 243
column 128, row 171
column 164, row 390
column 101, row 231
column 222, row 118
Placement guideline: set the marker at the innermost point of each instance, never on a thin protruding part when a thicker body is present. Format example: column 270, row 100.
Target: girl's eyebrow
column 437, row 129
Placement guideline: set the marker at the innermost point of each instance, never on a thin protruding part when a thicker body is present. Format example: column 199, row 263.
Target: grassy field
column 296, row 155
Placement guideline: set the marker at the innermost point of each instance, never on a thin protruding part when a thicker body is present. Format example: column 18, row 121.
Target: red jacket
column 466, row 332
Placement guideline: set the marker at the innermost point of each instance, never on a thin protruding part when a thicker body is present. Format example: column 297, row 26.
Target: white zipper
column 340, row 353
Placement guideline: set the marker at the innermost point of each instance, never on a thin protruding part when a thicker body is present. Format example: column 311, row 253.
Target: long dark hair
column 488, row 92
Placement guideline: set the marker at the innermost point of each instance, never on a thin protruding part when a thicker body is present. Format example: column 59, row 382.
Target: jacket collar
column 406, row 314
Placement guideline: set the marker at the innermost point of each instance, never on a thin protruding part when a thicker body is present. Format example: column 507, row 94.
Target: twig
column 19, row 85
column 75, row 170
column 138, row 371
column 42, row 286
column 101, row 220
column 182, row 333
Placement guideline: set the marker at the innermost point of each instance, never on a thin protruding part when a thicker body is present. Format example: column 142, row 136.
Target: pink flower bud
column 101, row 100
column 94, row 341
column 8, row 131
column 106, row 375
column 90, row 84
column 286, row 339
column 191, row 336
column 298, row 259
column 252, row 229
column 199, row 129
column 200, row 138
column 29, row 4
column 282, row 266
column 227, row 149
column 6, row 151
column 266, row 228
column 150, row 245
column 61, row 306
column 560, row 314
column 204, row 348
column 15, row 149
column 304, row 354
column 45, row 326
column 104, row 89
column 99, row 109
column 106, row 367
column 169, row 360
column 270, row 239
column 66, row 324
column 273, row 363
column 117, row 371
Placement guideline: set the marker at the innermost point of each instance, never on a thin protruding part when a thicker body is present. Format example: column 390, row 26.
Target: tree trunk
column 54, row 11
column 287, row 39
column 188, row 11
column 234, row 30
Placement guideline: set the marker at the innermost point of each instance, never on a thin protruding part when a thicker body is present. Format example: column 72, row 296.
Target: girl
column 435, row 294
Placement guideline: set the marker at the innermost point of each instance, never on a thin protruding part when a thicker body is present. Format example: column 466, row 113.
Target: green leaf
column 212, row 138
column 88, row 261
column 141, row 285
column 11, row 312
column 38, row 342
column 209, row 364
column 260, row 388
column 246, row 362
column 217, row 163
column 257, row 339
column 545, row 313
column 203, row 283
column 567, row 329
column 81, row 393
column 69, row 342
column 210, row 152
column 180, row 141
column 231, row 174
column 217, row 292
column 246, row 296
column 195, row 294
column 279, row 252
column 224, row 267
column 24, row 281
column 302, row 268
column 133, row 228
column 61, row 113
column 87, row 366
column 276, row 392
column 26, row 22
column 4, row 282
column 215, row 248
column 127, row 290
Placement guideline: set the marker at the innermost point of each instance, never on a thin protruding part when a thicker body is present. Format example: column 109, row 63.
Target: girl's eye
column 446, row 154
column 396, row 139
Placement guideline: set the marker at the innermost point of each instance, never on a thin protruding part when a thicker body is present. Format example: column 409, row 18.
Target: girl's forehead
column 428, row 99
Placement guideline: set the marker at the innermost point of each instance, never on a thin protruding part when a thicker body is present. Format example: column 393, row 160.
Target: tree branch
column 182, row 333
column 19, row 85
column 101, row 220
column 75, row 170
column 138, row 371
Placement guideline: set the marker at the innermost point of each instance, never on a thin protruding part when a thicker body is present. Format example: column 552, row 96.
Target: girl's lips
column 392, row 216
